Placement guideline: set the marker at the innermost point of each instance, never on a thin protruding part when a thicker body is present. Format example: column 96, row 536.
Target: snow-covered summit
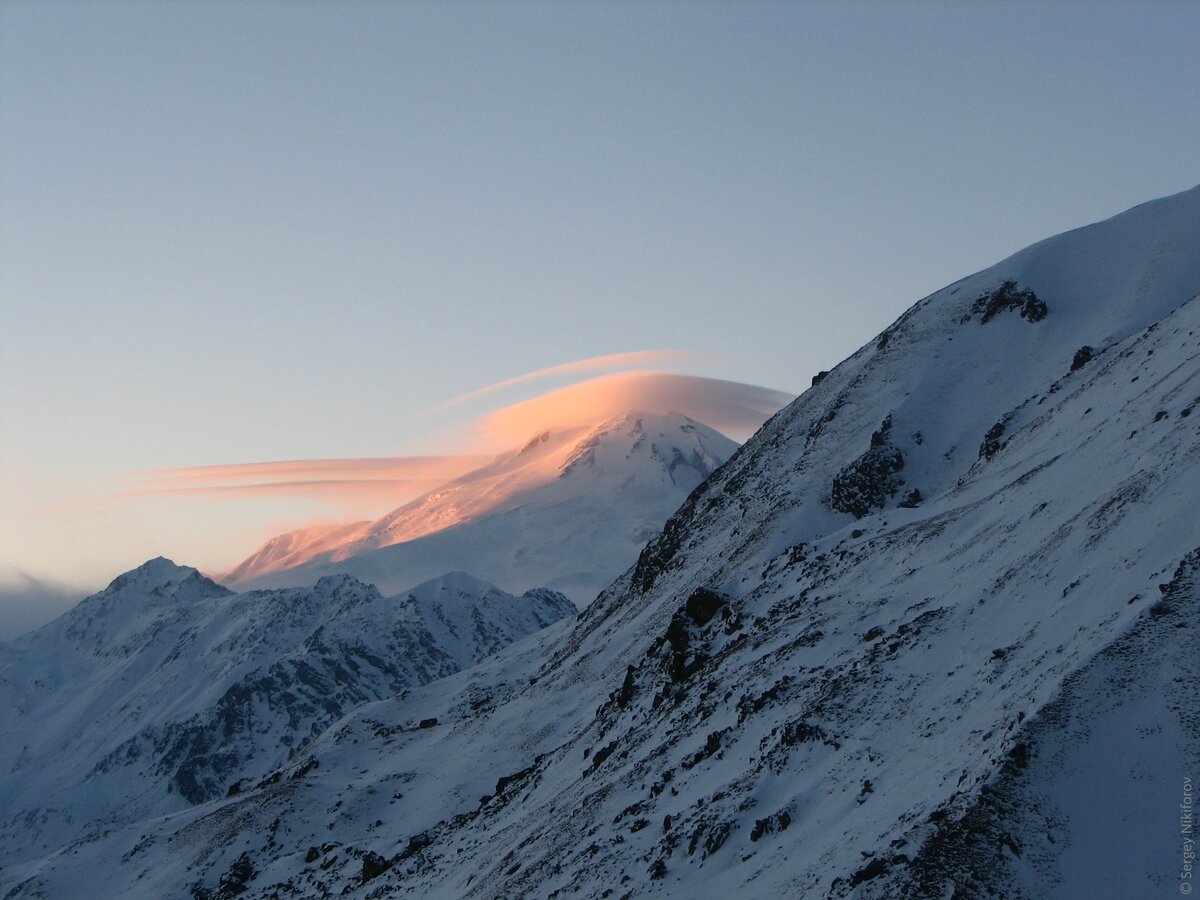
column 161, row 577
column 569, row 509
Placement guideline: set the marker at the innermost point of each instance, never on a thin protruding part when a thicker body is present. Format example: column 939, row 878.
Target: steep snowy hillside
column 167, row 689
column 570, row 510
column 874, row 655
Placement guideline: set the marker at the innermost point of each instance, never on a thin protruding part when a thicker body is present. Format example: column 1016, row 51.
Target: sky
column 239, row 233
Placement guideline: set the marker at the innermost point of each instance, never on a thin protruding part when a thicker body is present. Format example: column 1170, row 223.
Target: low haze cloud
column 27, row 603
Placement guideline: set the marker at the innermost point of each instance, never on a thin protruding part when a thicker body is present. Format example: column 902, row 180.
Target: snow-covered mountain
column 570, row 510
column 929, row 633
column 166, row 689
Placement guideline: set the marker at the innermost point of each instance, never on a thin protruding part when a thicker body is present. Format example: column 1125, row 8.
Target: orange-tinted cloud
column 640, row 359
column 299, row 471
column 359, row 485
column 734, row 408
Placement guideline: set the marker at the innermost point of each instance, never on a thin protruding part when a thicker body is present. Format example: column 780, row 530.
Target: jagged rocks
column 374, row 865
column 991, row 444
column 1007, row 298
column 235, row 880
column 801, row 732
column 703, row 604
column 1082, row 357
column 701, row 607
column 772, row 824
column 868, row 482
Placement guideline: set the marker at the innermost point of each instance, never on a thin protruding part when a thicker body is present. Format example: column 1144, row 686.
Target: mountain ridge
column 166, row 689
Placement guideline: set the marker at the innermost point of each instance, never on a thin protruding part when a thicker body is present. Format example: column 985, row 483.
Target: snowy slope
column 167, row 689
column 570, row 510
column 864, row 659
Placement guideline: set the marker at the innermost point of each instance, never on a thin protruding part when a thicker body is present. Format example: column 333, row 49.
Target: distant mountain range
column 167, row 690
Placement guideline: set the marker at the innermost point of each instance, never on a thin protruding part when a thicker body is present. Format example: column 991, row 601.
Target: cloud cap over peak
column 733, row 408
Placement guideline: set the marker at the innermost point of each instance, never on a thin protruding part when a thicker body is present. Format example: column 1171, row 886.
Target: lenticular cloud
column 731, row 407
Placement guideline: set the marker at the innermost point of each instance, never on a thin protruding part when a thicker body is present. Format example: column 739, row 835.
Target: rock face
column 872, row 479
column 1009, row 298
column 166, row 689
column 781, row 699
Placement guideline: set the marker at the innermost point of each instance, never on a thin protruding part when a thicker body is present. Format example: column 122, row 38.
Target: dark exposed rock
column 427, row 723
column 504, row 781
column 603, row 753
column 712, row 744
column 867, row 483
column 1019, row 755
column 1008, row 298
column 701, row 607
column 416, row 844
column 234, row 881
column 801, row 732
column 911, row 500
column 772, row 824
column 819, row 377
column 312, row 855
column 703, row 604
column 626, row 691
column 309, row 764
column 1082, row 357
column 374, row 865
column 992, row 444
column 716, row 837
column 873, row 869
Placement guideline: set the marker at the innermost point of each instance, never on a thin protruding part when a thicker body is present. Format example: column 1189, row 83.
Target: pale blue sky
column 258, row 231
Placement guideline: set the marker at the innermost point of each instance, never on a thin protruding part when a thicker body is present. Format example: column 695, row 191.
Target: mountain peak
column 164, row 577
column 595, row 493
column 670, row 443
column 342, row 583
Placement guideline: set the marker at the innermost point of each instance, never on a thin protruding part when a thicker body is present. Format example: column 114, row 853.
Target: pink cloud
column 734, row 408
column 640, row 359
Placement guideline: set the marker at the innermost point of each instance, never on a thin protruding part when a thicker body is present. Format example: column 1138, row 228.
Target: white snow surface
column 785, row 698
column 570, row 510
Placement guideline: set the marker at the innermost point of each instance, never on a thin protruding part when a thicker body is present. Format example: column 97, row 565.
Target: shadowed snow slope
column 166, row 689
column 866, row 658
column 569, row 509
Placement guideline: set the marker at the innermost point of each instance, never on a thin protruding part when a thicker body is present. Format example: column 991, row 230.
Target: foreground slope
column 166, row 689
column 864, row 659
column 569, row 510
